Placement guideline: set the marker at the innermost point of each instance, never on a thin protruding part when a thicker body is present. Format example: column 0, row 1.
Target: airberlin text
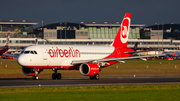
column 56, row 52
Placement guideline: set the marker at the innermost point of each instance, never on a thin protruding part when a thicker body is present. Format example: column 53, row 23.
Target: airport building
column 155, row 37
column 86, row 30
column 16, row 28
column 161, row 31
column 143, row 44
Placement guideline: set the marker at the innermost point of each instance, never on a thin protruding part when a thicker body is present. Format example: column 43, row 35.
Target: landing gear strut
column 96, row 77
column 35, row 77
column 56, row 75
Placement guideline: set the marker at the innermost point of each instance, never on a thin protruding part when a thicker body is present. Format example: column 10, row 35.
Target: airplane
column 5, row 48
column 172, row 54
column 89, row 60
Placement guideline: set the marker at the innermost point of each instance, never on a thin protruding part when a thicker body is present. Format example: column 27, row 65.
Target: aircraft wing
column 75, row 62
column 135, row 52
column 15, row 56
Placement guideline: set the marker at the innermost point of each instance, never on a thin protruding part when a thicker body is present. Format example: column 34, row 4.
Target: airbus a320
column 89, row 60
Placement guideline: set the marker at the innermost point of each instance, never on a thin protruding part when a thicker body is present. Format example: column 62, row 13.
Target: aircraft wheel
column 54, row 76
column 96, row 77
column 91, row 77
column 58, row 76
column 35, row 77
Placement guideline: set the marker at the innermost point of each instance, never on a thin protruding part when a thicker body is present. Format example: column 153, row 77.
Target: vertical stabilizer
column 174, row 53
column 121, row 38
column 7, row 40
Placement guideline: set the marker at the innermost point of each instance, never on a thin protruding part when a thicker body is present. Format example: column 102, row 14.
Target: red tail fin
column 174, row 53
column 7, row 40
column 121, row 38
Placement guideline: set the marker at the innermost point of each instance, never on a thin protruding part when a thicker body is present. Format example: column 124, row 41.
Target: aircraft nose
column 21, row 60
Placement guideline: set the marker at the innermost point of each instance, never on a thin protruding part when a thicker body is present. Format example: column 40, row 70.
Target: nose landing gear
column 35, row 77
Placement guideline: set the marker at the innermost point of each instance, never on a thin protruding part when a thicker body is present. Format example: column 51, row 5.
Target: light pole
column 65, row 31
column 61, row 30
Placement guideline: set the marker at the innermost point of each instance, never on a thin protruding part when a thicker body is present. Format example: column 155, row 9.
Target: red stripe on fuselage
column 58, row 67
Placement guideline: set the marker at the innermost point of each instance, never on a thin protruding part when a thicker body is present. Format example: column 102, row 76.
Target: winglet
column 121, row 38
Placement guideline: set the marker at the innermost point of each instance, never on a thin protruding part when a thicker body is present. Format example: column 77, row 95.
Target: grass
column 148, row 92
column 139, row 68
column 146, row 68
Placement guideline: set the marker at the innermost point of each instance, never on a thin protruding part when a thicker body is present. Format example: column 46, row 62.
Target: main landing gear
column 96, row 77
column 56, row 75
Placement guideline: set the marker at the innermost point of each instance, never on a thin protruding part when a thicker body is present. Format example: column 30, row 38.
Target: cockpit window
column 32, row 52
column 26, row 52
column 35, row 52
column 29, row 52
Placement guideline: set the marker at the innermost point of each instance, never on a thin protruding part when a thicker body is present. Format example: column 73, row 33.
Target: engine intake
column 89, row 69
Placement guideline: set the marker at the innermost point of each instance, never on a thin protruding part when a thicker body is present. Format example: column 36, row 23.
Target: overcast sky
column 146, row 12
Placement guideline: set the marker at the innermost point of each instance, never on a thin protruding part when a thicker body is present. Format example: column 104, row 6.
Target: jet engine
column 89, row 69
column 30, row 71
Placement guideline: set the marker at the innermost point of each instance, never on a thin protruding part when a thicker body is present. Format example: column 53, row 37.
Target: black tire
column 96, row 77
column 54, row 76
column 35, row 77
column 91, row 77
column 58, row 76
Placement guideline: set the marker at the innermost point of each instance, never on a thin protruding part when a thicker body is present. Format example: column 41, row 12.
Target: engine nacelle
column 30, row 71
column 89, row 69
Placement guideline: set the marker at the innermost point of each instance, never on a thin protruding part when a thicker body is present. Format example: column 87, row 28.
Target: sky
column 146, row 12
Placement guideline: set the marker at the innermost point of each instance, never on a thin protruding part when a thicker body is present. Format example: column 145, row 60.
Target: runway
column 84, row 82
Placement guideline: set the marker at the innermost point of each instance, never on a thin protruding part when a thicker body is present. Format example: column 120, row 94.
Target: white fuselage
column 61, row 55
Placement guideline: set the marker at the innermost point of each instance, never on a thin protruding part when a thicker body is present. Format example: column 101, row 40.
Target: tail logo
column 124, row 30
